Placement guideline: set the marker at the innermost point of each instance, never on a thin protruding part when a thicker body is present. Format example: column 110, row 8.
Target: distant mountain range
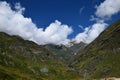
column 24, row 60
column 65, row 52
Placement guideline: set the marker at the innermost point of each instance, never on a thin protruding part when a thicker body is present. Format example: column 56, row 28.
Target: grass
column 101, row 57
column 22, row 60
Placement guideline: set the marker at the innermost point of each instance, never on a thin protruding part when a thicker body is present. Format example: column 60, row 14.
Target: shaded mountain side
column 25, row 60
column 60, row 51
column 101, row 58
column 65, row 53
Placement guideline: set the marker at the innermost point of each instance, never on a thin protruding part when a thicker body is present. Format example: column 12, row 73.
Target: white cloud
column 14, row 23
column 55, row 33
column 103, row 12
column 108, row 8
column 90, row 33
column 81, row 9
column 81, row 27
column 19, row 8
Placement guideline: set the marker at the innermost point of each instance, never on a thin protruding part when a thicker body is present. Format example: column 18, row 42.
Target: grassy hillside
column 25, row 60
column 101, row 58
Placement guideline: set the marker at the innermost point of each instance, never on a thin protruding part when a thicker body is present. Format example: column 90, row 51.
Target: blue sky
column 43, row 12
column 70, row 12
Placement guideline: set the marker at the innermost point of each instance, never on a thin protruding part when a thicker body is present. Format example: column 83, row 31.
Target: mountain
column 24, row 60
column 101, row 58
column 63, row 52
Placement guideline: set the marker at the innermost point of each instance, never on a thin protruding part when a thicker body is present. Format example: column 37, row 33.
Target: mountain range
column 25, row 60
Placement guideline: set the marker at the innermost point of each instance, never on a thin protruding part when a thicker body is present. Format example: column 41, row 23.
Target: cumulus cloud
column 108, row 8
column 14, row 23
column 19, row 8
column 90, row 33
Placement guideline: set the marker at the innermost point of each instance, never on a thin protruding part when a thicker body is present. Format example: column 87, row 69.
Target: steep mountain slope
column 101, row 58
column 65, row 53
column 25, row 60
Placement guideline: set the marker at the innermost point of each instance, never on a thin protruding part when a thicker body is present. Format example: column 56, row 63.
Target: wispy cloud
column 81, row 10
column 81, row 27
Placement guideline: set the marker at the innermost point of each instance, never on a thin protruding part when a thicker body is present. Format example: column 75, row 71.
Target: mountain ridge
column 100, row 58
column 25, row 60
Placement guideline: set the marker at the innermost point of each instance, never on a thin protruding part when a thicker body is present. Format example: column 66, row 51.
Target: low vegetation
column 25, row 60
column 100, row 59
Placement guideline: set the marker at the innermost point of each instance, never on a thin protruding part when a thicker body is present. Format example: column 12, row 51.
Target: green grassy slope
column 25, row 60
column 101, row 58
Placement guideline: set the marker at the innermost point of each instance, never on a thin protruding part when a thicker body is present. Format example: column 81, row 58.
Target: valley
column 25, row 60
